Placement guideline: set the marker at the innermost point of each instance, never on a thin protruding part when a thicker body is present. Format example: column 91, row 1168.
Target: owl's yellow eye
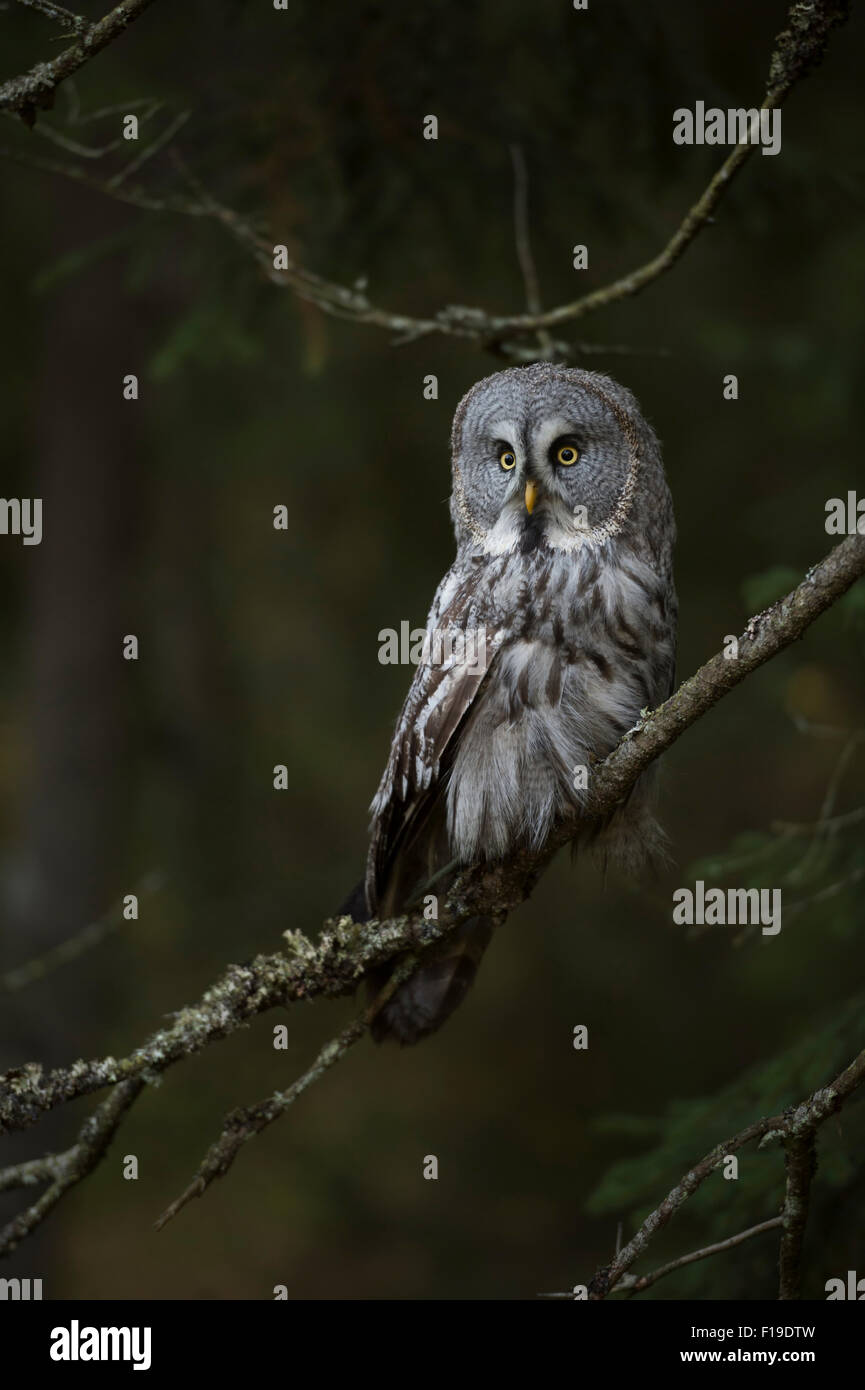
column 507, row 460
column 567, row 455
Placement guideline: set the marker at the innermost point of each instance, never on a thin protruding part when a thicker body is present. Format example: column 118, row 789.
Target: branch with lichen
column 34, row 90
column 66, row 1170
column 242, row 1125
column 346, row 950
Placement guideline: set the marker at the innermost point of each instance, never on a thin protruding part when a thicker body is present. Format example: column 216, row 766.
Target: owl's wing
column 445, row 685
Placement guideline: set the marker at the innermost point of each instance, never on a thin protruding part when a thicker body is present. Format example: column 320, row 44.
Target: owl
column 550, row 633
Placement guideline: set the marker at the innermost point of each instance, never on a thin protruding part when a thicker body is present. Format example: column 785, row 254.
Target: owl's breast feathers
column 559, row 653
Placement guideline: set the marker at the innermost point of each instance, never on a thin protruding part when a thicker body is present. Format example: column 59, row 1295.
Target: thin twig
column 638, row 1284
column 797, row 51
column 830, row 826
column 136, row 196
column 161, row 140
column 65, row 142
column 832, row 890
column 791, row 1125
column 524, row 243
column 631, row 1284
column 242, row 1125
column 74, row 946
column 57, row 13
column 812, row 854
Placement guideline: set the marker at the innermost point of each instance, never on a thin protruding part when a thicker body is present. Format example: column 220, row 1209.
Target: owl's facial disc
column 545, row 457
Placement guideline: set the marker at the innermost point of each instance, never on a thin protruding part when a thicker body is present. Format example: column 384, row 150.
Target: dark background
column 260, row 647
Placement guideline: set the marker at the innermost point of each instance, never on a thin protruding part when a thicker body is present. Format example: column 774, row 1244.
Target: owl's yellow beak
column 532, row 494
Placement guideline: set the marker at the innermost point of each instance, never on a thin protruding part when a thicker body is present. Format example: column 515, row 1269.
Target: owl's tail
column 429, row 997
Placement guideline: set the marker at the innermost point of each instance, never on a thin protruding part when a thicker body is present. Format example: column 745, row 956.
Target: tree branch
column 798, row 49
column 631, row 1284
column 645, row 1281
column 242, row 1125
column 77, row 945
column 801, row 1162
column 67, row 1169
column 796, row 1127
column 347, row 950
column 35, row 89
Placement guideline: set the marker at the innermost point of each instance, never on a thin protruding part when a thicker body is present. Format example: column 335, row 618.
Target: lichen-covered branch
column 243, row 1125
column 34, row 91
column 347, row 950
column 67, row 1169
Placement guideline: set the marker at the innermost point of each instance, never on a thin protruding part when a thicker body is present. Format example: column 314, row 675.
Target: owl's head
column 547, row 455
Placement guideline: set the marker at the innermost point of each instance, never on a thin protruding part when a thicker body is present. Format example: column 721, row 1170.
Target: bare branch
column 797, row 51
column 66, row 142
column 524, row 244
column 792, row 1126
column 831, row 825
column 35, row 90
column 137, row 196
column 631, row 1284
column 801, row 1160
column 158, row 143
column 74, row 946
column 645, row 1281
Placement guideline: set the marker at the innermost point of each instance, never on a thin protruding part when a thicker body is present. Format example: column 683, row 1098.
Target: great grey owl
column 550, row 633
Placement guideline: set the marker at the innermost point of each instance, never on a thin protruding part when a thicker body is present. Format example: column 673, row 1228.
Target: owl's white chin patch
column 505, row 535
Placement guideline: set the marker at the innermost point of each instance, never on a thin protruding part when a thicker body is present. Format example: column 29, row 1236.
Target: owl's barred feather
column 575, row 597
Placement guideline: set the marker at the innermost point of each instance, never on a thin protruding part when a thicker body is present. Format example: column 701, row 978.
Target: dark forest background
column 260, row 647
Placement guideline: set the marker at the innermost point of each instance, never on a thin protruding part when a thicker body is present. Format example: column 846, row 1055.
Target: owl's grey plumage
column 564, row 530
